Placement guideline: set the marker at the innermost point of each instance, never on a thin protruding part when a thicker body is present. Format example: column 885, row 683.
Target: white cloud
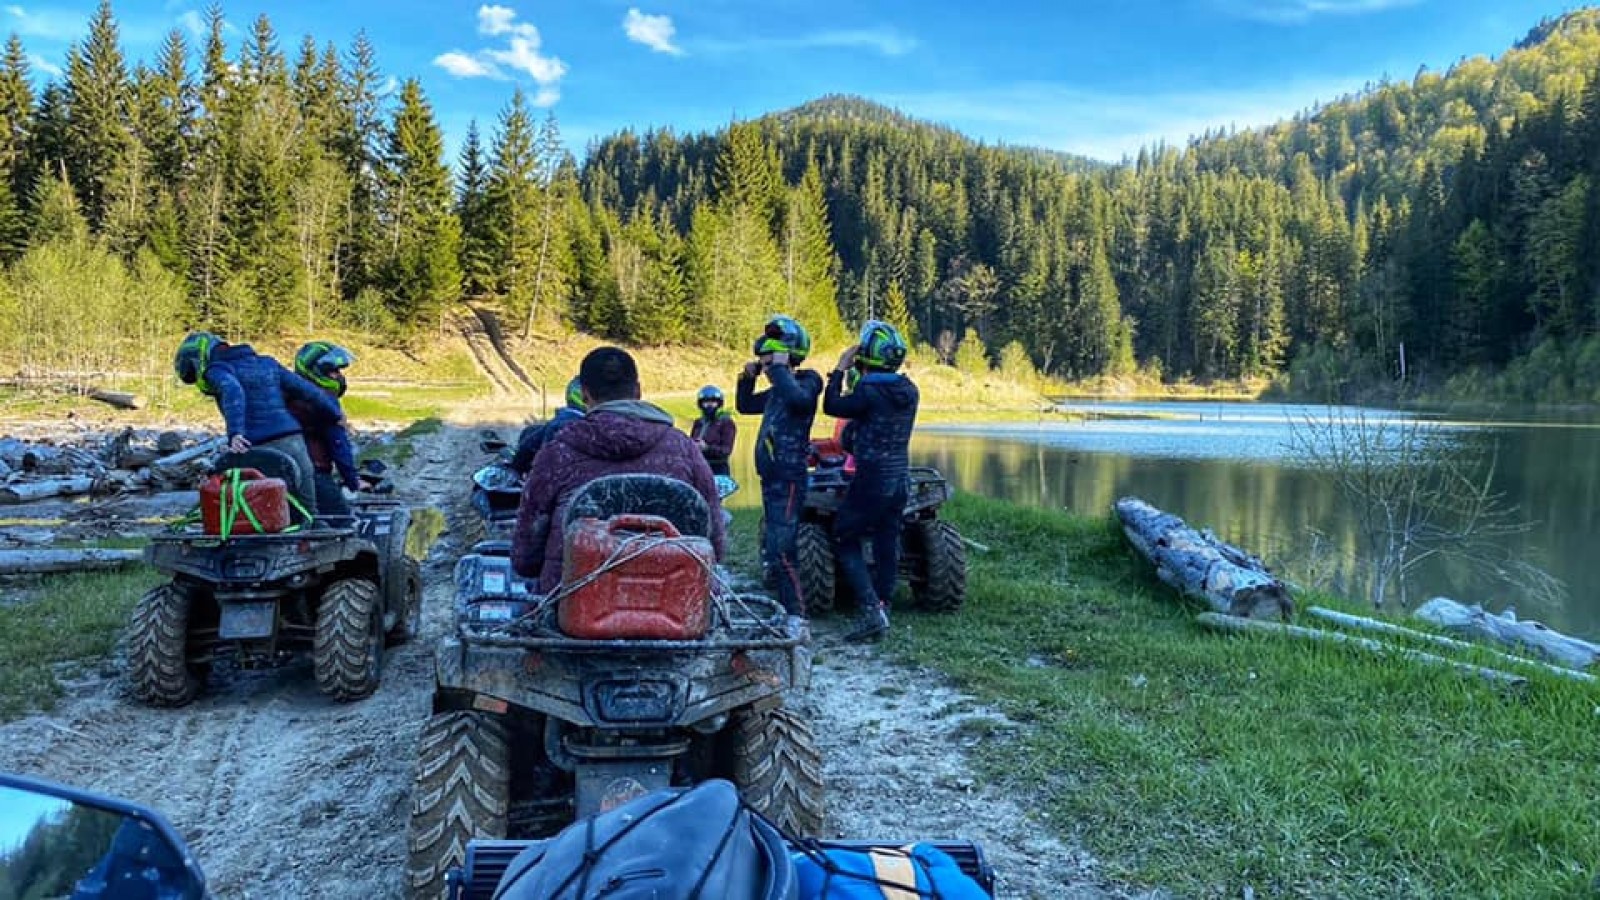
column 884, row 40
column 1294, row 12
column 494, row 20
column 522, row 54
column 193, row 23
column 44, row 65
column 655, row 32
column 49, row 24
column 463, row 66
column 1109, row 126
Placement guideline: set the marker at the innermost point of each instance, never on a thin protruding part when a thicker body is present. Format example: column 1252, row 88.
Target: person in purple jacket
column 714, row 431
column 252, row 392
column 621, row 434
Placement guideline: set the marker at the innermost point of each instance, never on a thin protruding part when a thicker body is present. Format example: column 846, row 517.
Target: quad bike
column 90, row 846
column 933, row 557
column 341, row 593
column 533, row 725
column 496, row 489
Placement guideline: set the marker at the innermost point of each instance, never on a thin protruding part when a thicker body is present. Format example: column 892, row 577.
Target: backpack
column 675, row 844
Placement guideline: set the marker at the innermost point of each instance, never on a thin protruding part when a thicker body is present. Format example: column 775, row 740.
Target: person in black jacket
column 882, row 410
column 783, row 443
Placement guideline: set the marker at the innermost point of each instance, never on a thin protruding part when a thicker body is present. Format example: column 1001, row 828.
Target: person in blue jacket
column 327, row 443
column 251, row 391
column 535, row 436
column 882, row 410
column 783, row 443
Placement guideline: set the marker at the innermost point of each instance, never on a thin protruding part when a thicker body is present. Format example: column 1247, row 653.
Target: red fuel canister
column 253, row 494
column 641, row 580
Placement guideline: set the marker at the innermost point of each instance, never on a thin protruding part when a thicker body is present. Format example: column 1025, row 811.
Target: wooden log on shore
column 1218, row 622
column 28, row 491
column 1374, row 625
column 1200, row 565
column 43, row 562
column 184, row 467
column 119, row 399
column 1535, row 637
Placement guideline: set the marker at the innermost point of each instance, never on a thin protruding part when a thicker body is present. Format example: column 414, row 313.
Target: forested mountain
column 1437, row 224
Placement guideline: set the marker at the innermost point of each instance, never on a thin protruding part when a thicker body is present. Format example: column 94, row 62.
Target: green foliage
column 972, row 357
column 1016, row 367
column 1214, row 766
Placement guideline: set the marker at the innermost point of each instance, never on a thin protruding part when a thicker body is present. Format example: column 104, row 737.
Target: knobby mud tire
column 407, row 622
column 158, row 643
column 777, row 768
column 347, row 652
column 813, row 553
column 942, row 586
column 462, row 791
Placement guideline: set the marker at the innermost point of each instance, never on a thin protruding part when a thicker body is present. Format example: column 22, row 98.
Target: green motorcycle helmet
column 784, row 335
column 881, row 347
column 193, row 356
column 575, row 395
column 323, row 364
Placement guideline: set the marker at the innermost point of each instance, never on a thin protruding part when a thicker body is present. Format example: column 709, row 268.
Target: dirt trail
column 284, row 794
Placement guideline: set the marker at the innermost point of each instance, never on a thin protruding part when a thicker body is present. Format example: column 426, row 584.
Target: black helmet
column 709, row 394
column 881, row 345
column 784, row 335
column 323, row 364
column 193, row 356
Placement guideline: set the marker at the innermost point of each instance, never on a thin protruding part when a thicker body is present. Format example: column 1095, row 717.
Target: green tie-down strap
column 233, row 501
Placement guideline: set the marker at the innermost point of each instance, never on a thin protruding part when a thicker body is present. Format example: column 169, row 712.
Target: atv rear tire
column 814, row 558
column 158, row 644
column 462, row 791
column 941, row 585
column 347, row 653
column 405, row 621
column 777, row 768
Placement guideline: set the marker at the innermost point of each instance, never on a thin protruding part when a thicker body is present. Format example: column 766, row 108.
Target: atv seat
column 492, row 548
column 651, row 495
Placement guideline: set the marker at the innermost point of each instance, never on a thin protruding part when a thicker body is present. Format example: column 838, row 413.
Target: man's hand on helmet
column 847, row 358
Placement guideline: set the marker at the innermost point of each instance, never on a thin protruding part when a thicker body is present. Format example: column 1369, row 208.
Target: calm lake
column 1229, row 467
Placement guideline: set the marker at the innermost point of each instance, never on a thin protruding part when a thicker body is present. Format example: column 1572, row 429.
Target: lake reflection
column 1229, row 467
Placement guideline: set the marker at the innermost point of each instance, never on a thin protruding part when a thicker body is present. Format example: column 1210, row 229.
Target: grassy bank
column 62, row 622
column 1206, row 764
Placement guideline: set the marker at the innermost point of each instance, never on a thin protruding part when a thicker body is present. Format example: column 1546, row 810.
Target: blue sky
column 1097, row 78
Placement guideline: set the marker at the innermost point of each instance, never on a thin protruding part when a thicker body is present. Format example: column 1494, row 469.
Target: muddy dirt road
column 284, row 794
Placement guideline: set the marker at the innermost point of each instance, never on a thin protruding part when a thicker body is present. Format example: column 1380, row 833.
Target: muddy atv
column 339, row 593
column 496, row 489
column 534, row 725
column 933, row 556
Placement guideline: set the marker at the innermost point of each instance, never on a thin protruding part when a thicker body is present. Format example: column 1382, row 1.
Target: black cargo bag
column 674, row 844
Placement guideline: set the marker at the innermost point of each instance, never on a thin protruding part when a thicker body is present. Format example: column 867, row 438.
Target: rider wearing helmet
column 538, row 434
column 327, row 443
column 714, row 431
column 251, row 391
column 882, row 409
column 787, row 409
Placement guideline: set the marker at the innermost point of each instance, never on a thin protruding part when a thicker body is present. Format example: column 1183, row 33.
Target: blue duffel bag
column 917, row 872
column 672, row 844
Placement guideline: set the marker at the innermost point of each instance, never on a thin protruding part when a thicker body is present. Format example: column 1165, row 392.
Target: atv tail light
column 490, row 704
column 636, row 701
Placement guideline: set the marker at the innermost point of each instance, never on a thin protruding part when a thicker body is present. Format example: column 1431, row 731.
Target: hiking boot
column 871, row 626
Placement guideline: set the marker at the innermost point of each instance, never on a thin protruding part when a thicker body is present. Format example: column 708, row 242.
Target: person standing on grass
column 787, row 409
column 714, row 430
column 881, row 410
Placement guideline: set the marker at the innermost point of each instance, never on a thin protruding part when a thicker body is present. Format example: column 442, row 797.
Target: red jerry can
column 637, row 578
column 249, row 499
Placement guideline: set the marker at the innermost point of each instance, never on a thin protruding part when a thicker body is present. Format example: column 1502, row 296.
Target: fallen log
column 119, row 399
column 1506, row 629
column 1232, row 624
column 1365, row 624
column 184, row 467
column 189, row 455
column 43, row 562
column 1201, row 565
column 28, row 491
